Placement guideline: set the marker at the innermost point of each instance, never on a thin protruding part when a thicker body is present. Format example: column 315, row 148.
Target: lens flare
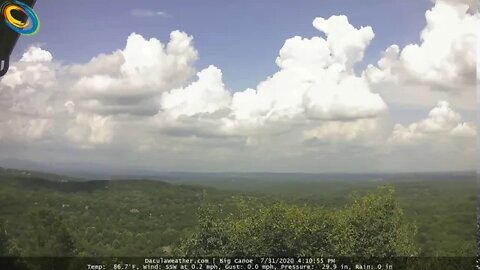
column 28, row 26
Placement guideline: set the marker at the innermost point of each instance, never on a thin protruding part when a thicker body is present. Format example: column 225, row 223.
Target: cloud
column 148, row 13
column 315, row 84
column 442, row 65
column 34, row 69
column 148, row 104
column 339, row 131
column 91, row 129
column 478, row 57
column 78, row 103
column 205, row 96
column 35, row 54
column 442, row 123
column 472, row 4
column 26, row 97
column 441, row 141
column 103, row 64
column 26, row 130
column 347, row 44
column 25, row 107
column 128, row 81
column 316, row 81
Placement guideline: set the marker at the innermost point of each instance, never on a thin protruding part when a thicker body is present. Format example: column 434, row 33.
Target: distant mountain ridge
column 100, row 172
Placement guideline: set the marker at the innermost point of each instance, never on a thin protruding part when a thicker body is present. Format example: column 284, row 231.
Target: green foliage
column 97, row 214
column 47, row 235
column 443, row 205
column 4, row 246
column 372, row 226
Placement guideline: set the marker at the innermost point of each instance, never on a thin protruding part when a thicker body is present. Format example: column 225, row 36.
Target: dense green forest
column 371, row 226
column 426, row 215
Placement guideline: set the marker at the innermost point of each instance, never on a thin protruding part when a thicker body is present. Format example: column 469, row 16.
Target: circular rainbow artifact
column 28, row 27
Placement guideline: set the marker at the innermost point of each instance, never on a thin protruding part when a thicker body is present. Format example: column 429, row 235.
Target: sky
column 234, row 35
column 321, row 86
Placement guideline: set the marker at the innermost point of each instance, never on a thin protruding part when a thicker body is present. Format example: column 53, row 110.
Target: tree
column 46, row 236
column 372, row 226
column 211, row 239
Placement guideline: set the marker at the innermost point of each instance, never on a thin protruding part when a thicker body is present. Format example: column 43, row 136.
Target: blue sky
column 240, row 37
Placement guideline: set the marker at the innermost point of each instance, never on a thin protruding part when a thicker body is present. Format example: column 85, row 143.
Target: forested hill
column 127, row 217
column 144, row 217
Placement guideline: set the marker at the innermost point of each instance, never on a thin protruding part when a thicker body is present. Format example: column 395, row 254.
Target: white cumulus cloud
column 313, row 113
column 315, row 80
column 442, row 122
column 441, row 66
column 205, row 96
column 91, row 129
column 129, row 81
